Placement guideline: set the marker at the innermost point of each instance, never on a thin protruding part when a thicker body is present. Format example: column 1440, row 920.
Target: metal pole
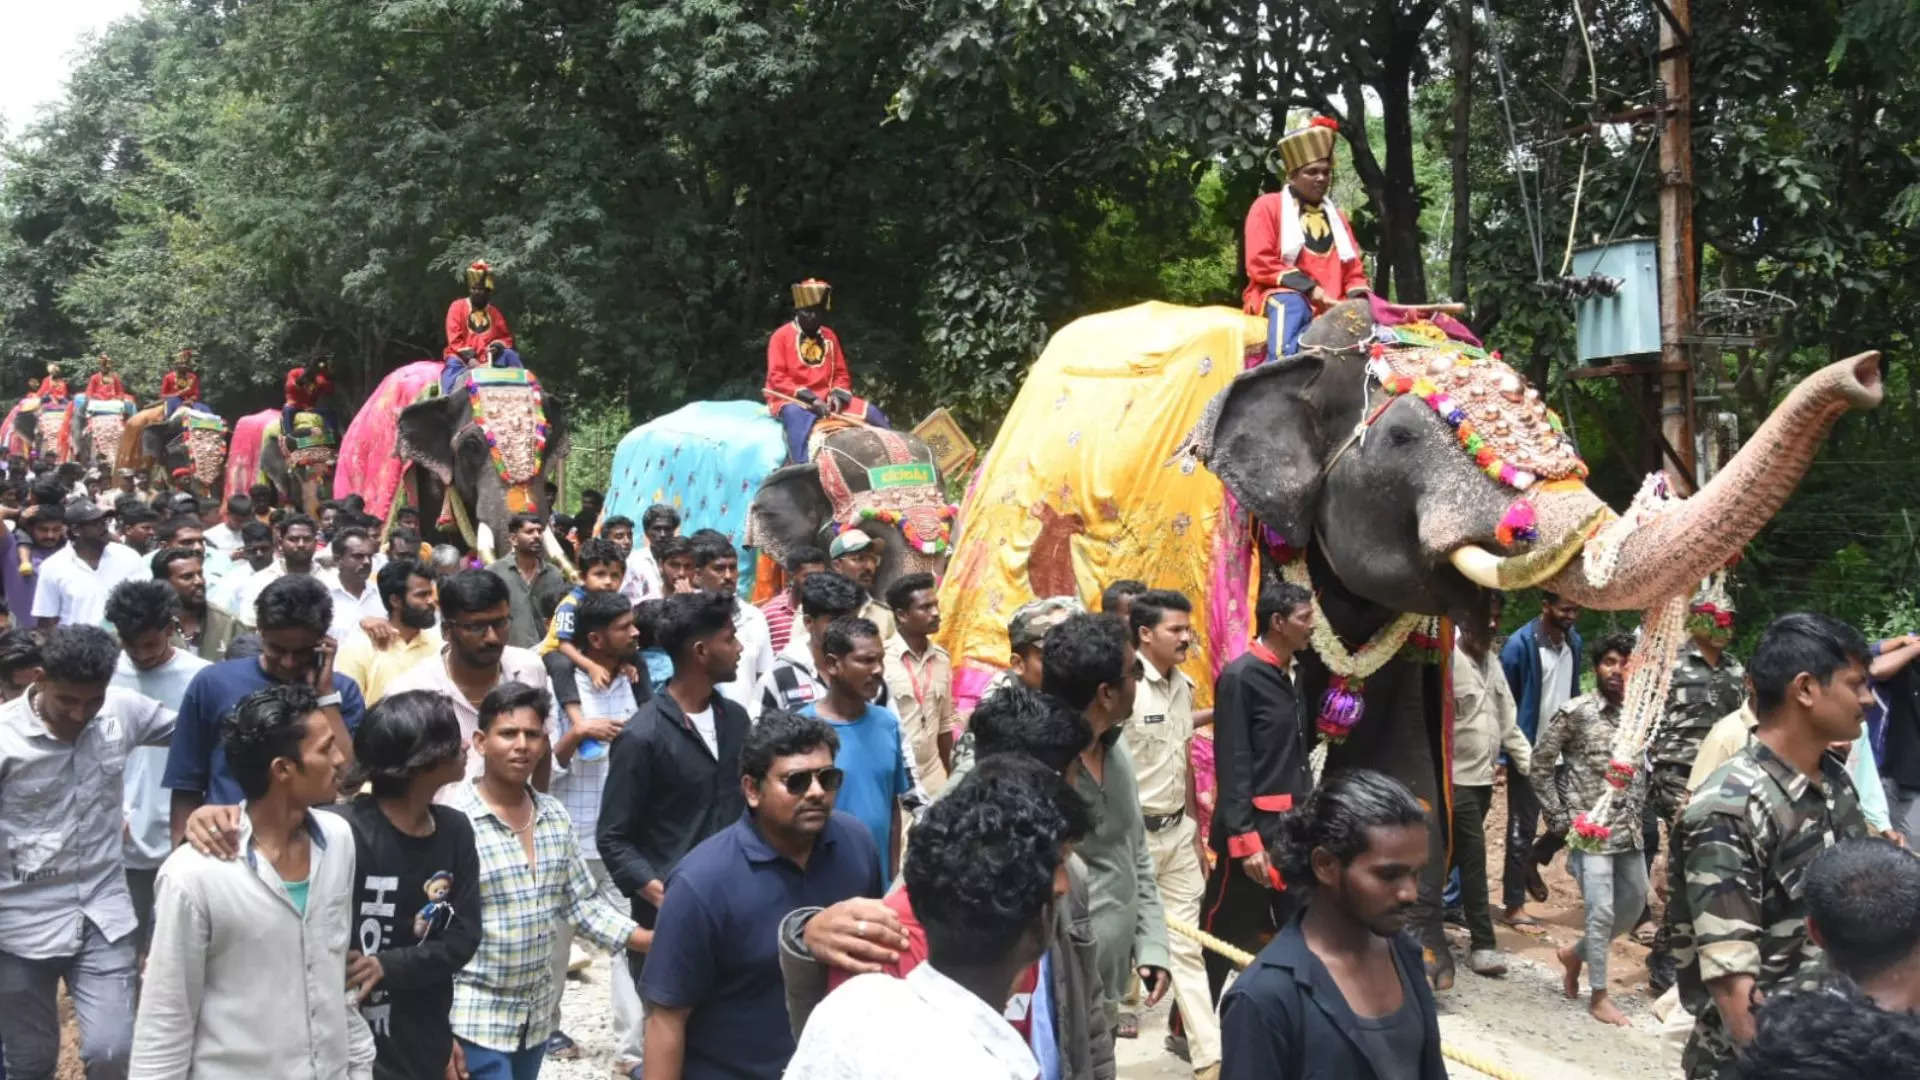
column 1676, row 240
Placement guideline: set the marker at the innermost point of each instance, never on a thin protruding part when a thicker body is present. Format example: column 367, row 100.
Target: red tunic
column 51, row 387
column 822, row 368
column 298, row 397
column 105, row 387
column 461, row 333
column 1266, row 266
column 185, row 388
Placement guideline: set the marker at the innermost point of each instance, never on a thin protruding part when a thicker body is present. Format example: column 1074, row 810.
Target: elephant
column 304, row 476
column 500, row 449
column 1346, row 460
column 42, row 427
column 189, row 445
column 97, row 437
column 908, row 513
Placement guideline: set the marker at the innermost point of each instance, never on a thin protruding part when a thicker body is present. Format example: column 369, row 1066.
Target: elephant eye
column 1401, row 435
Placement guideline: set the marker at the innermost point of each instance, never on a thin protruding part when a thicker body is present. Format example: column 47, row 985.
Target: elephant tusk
column 558, row 555
column 483, row 541
column 1477, row 564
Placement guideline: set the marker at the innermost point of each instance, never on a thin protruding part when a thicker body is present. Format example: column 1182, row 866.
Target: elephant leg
column 1399, row 735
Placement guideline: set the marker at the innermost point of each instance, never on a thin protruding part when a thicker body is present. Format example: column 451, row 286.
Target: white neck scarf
column 1292, row 238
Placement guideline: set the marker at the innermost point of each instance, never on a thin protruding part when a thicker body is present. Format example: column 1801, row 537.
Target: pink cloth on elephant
column 243, row 451
column 368, row 464
column 1387, row 313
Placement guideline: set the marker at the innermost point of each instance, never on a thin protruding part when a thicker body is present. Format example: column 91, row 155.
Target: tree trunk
column 1461, row 50
column 1400, row 213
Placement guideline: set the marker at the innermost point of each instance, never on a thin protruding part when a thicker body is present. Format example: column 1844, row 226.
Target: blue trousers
column 485, row 1064
column 1288, row 314
column 799, row 425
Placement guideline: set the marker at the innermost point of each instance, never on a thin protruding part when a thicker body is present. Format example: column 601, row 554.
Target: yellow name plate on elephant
column 909, row 474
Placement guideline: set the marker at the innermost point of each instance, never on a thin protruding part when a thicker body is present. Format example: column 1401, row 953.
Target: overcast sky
column 41, row 36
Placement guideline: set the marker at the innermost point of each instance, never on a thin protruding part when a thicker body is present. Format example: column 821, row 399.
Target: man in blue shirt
column 717, row 1003
column 1542, row 662
column 293, row 614
column 881, row 778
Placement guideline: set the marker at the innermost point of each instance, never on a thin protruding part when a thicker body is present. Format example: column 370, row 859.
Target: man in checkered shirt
column 531, row 872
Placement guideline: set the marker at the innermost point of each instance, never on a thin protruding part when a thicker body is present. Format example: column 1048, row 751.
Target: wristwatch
column 329, row 700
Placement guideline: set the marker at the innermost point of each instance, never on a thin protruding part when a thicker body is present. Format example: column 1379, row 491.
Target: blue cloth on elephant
column 799, row 422
column 706, row 460
column 1288, row 314
column 455, row 367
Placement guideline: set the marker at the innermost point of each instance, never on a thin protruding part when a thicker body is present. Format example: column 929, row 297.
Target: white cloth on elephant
column 756, row 654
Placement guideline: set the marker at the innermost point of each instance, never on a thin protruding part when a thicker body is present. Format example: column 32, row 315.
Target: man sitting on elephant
column 1301, row 255
column 105, row 385
column 807, row 377
column 307, row 386
column 181, row 386
column 477, row 332
column 52, row 389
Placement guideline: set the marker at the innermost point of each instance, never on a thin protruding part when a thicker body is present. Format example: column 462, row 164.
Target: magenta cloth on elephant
column 368, row 465
column 243, row 450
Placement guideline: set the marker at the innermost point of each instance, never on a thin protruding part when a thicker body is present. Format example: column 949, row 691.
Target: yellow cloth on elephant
column 1081, row 488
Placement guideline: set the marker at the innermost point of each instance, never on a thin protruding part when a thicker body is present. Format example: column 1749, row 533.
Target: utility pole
column 1676, row 267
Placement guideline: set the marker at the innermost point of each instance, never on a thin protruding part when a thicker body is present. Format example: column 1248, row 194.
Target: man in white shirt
column 73, row 583
column 239, row 943
column 643, row 578
column 793, row 681
column 227, row 574
column 716, row 569
column 298, row 536
column 1485, row 724
column 65, row 914
column 350, row 583
column 986, row 865
column 224, row 538
column 145, row 615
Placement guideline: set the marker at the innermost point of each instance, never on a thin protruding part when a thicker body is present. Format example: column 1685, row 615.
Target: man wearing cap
column 855, row 555
column 181, row 386
column 807, row 376
column 1301, row 255
column 1025, row 631
column 73, row 583
column 477, row 333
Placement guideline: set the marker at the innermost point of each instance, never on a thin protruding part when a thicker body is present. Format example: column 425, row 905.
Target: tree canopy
column 261, row 181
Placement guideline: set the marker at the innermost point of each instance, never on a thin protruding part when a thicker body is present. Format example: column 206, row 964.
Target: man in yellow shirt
column 408, row 636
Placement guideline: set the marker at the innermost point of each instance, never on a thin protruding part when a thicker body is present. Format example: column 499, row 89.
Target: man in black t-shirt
column 1897, row 684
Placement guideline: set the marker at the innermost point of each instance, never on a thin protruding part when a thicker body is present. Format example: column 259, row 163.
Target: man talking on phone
column 292, row 615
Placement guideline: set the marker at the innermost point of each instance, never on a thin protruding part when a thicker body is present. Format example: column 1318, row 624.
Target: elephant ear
column 154, row 439
column 426, row 430
column 1263, row 436
column 788, row 510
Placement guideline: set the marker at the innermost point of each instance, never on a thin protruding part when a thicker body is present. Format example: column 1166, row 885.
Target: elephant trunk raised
column 1669, row 553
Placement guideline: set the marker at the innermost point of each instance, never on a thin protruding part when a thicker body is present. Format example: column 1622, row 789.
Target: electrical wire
column 1579, row 186
column 1513, row 147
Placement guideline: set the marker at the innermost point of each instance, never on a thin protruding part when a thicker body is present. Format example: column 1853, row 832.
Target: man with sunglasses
column 673, row 772
column 717, row 1003
column 292, row 614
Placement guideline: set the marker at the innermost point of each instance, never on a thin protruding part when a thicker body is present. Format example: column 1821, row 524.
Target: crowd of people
column 255, row 765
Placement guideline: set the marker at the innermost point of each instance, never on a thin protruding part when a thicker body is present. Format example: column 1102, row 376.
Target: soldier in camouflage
column 1706, row 685
column 1742, row 847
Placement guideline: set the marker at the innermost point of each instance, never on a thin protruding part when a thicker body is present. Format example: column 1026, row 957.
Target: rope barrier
column 1241, row 959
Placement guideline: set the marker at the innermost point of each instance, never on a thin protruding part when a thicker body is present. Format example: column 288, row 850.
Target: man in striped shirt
column 801, row 563
column 531, row 872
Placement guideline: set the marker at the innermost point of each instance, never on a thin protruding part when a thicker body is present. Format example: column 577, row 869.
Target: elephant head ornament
column 191, row 444
column 883, row 482
column 496, row 442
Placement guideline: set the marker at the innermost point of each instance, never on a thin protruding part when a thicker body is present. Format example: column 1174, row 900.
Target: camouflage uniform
column 1698, row 696
column 1580, row 736
column 1741, row 852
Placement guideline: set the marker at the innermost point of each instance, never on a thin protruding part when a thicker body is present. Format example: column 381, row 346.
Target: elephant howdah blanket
column 243, row 455
column 1081, row 488
column 368, row 464
column 705, row 459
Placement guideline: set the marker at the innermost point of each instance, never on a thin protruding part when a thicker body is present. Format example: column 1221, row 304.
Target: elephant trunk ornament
column 1672, row 549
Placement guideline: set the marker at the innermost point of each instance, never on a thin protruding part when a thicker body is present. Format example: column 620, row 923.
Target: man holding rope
column 807, row 377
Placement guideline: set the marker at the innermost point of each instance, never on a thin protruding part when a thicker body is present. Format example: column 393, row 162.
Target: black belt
column 1156, row 822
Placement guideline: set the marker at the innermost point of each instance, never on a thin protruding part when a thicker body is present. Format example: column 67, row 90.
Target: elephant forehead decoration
column 508, row 410
column 1500, row 420
column 206, row 436
column 904, row 493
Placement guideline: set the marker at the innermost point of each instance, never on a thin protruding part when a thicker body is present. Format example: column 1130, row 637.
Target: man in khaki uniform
column 920, row 677
column 1158, row 735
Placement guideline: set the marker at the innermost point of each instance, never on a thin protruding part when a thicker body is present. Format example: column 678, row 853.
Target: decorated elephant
column 190, row 445
column 473, row 458
column 302, row 474
column 1403, row 475
column 883, row 482
column 40, row 430
column 101, row 426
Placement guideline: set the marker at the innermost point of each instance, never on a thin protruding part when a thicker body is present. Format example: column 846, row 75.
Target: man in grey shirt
column 65, row 914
